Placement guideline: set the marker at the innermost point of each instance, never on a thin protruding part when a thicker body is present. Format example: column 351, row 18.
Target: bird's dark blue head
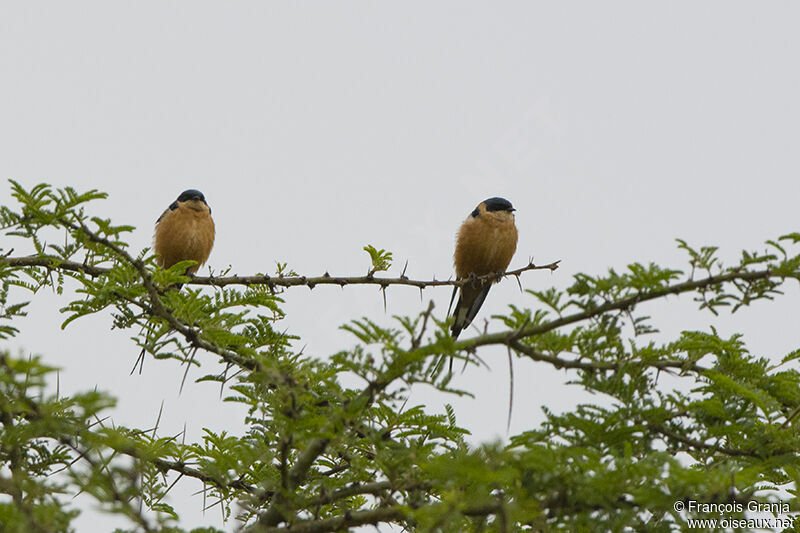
column 191, row 194
column 494, row 204
column 498, row 204
column 188, row 195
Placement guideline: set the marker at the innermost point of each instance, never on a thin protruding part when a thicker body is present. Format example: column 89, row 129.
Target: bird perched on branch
column 185, row 231
column 485, row 244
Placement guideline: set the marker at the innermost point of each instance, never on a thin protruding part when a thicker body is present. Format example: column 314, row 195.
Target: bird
column 185, row 231
column 485, row 244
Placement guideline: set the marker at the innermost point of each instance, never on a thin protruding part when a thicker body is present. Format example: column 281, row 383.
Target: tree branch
column 373, row 488
column 338, row 523
column 130, row 510
column 507, row 337
column 367, row 517
column 186, row 470
column 299, row 471
column 55, row 263
column 559, row 363
column 700, row 445
column 157, row 307
column 275, row 281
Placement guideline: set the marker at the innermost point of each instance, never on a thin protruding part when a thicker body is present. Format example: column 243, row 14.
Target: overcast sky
column 315, row 128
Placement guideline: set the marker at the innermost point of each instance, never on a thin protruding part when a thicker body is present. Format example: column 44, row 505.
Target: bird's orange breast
column 485, row 245
column 184, row 234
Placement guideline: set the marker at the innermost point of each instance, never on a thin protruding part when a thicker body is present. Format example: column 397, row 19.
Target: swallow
column 485, row 244
column 185, row 231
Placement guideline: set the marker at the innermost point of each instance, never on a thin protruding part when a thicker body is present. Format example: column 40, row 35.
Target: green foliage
column 697, row 417
column 381, row 259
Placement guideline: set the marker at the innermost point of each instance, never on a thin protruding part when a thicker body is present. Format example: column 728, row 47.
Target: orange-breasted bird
column 485, row 244
column 185, row 231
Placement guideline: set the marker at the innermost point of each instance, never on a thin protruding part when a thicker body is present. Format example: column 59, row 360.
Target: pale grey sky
column 315, row 128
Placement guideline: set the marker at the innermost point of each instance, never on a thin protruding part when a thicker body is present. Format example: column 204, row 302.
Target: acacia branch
column 275, row 512
column 157, row 307
column 367, row 517
column 559, row 363
column 31, row 412
column 338, row 523
column 374, row 488
column 182, row 468
column 163, row 465
column 128, row 508
column 509, row 336
column 272, row 282
column 700, row 445
column 369, row 279
column 317, row 446
column 55, row 263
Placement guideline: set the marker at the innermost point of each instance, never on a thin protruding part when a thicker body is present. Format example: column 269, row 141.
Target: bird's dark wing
column 469, row 303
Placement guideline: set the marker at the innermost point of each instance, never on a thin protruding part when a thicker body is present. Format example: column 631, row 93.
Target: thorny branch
column 507, row 337
column 316, row 447
column 302, row 466
column 275, row 281
column 130, row 509
column 157, row 307
column 32, row 413
column 371, row 516
column 374, row 488
column 560, row 363
column 700, row 445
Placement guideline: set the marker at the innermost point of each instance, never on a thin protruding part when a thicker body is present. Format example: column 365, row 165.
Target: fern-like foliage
column 333, row 443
